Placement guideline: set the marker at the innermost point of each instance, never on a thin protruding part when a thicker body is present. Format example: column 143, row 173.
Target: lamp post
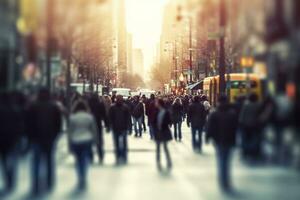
column 222, row 82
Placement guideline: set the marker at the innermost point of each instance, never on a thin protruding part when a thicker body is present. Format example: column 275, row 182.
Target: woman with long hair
column 82, row 133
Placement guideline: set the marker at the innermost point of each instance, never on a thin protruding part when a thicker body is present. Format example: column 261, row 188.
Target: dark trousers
column 120, row 145
column 177, row 130
column 100, row 145
column 223, row 163
column 197, row 138
column 137, row 123
column 42, row 162
column 251, row 143
column 152, row 130
column 8, row 161
column 167, row 153
column 81, row 152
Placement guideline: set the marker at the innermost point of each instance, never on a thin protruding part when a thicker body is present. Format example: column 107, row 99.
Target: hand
column 188, row 124
column 107, row 129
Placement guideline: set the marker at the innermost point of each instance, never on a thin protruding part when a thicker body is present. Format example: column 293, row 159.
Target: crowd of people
column 35, row 124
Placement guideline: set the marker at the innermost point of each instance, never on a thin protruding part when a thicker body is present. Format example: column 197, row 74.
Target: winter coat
column 44, row 122
column 222, row 126
column 119, row 118
column 196, row 115
column 177, row 113
column 163, row 133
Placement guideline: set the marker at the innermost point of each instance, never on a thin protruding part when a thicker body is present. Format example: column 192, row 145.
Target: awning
column 195, row 86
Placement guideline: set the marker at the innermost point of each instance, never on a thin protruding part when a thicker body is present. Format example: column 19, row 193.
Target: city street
column 193, row 176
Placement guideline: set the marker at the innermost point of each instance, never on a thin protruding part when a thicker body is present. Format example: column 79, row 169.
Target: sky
column 144, row 21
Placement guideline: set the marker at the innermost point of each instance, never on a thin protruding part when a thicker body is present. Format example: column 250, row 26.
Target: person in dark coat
column 43, row 126
column 11, row 130
column 151, row 112
column 222, row 128
column 196, row 118
column 138, row 115
column 250, row 127
column 177, row 113
column 163, row 134
column 98, row 111
column 120, row 123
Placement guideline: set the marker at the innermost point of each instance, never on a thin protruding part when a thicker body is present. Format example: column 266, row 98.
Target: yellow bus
column 238, row 86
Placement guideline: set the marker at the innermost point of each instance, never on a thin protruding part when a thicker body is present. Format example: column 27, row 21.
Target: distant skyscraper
column 129, row 53
column 138, row 62
column 122, row 40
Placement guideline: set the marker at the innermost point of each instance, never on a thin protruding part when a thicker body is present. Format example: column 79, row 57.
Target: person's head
column 119, row 99
column 80, row 106
column 203, row 98
column 177, row 101
column 253, row 98
column 160, row 103
column 222, row 100
column 152, row 96
column 196, row 99
column 44, row 94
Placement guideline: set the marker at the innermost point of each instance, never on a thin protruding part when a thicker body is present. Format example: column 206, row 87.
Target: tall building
column 121, row 40
column 129, row 53
column 138, row 62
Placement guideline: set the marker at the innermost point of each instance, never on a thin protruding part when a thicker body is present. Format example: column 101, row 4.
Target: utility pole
column 222, row 82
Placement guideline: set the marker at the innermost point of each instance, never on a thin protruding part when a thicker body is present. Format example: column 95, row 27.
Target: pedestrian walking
column 222, row 127
column 250, row 127
column 43, row 127
column 11, row 130
column 138, row 115
column 163, row 134
column 98, row 111
column 151, row 112
column 177, row 113
column 196, row 118
column 120, row 123
column 82, row 134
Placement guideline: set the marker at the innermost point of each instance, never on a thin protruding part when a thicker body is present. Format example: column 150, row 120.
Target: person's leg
column 151, row 131
column 144, row 124
column 158, row 156
column 140, row 124
column 194, row 131
column 223, row 156
column 100, row 146
column 50, row 169
column 35, row 169
column 175, row 130
column 125, row 147
column 168, row 156
column 81, row 152
column 116, row 146
column 179, row 130
column 135, row 124
column 200, row 139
